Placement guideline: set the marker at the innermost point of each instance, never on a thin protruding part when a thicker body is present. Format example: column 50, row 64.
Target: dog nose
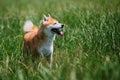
column 62, row 25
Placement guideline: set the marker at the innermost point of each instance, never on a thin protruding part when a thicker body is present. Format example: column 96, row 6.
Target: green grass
column 89, row 50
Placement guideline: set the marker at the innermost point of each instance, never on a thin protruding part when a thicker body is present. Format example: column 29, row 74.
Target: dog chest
column 46, row 48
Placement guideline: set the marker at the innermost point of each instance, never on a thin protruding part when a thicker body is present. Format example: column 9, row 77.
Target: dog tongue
column 61, row 33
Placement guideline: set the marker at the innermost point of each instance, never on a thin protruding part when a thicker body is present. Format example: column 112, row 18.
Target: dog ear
column 49, row 15
column 44, row 17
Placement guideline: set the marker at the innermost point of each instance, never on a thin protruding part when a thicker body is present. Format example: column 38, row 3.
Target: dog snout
column 62, row 25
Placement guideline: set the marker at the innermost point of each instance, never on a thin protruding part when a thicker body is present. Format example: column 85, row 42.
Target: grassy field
column 89, row 50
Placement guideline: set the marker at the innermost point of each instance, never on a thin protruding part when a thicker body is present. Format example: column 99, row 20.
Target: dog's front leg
column 49, row 59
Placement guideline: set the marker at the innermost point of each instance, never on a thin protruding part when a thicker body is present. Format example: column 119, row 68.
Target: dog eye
column 55, row 23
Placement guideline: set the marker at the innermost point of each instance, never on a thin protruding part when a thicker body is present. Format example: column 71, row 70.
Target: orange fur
column 33, row 39
column 50, row 20
column 40, row 40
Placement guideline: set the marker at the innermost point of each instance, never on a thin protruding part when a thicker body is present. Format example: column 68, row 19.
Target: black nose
column 62, row 25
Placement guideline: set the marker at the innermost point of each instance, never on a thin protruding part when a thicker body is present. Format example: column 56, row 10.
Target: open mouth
column 58, row 31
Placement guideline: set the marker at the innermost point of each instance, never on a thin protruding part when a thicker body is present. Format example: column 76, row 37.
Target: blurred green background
column 89, row 50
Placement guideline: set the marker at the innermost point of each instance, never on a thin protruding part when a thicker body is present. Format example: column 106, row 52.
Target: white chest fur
column 47, row 47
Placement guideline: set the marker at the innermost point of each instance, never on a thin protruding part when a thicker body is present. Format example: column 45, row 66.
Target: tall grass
column 89, row 50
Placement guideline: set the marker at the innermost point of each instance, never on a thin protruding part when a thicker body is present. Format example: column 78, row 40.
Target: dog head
column 52, row 26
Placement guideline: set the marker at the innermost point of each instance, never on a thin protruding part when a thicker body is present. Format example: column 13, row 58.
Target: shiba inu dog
column 39, row 41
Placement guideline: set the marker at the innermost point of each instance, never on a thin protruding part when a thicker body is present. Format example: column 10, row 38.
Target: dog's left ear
column 44, row 17
column 49, row 15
